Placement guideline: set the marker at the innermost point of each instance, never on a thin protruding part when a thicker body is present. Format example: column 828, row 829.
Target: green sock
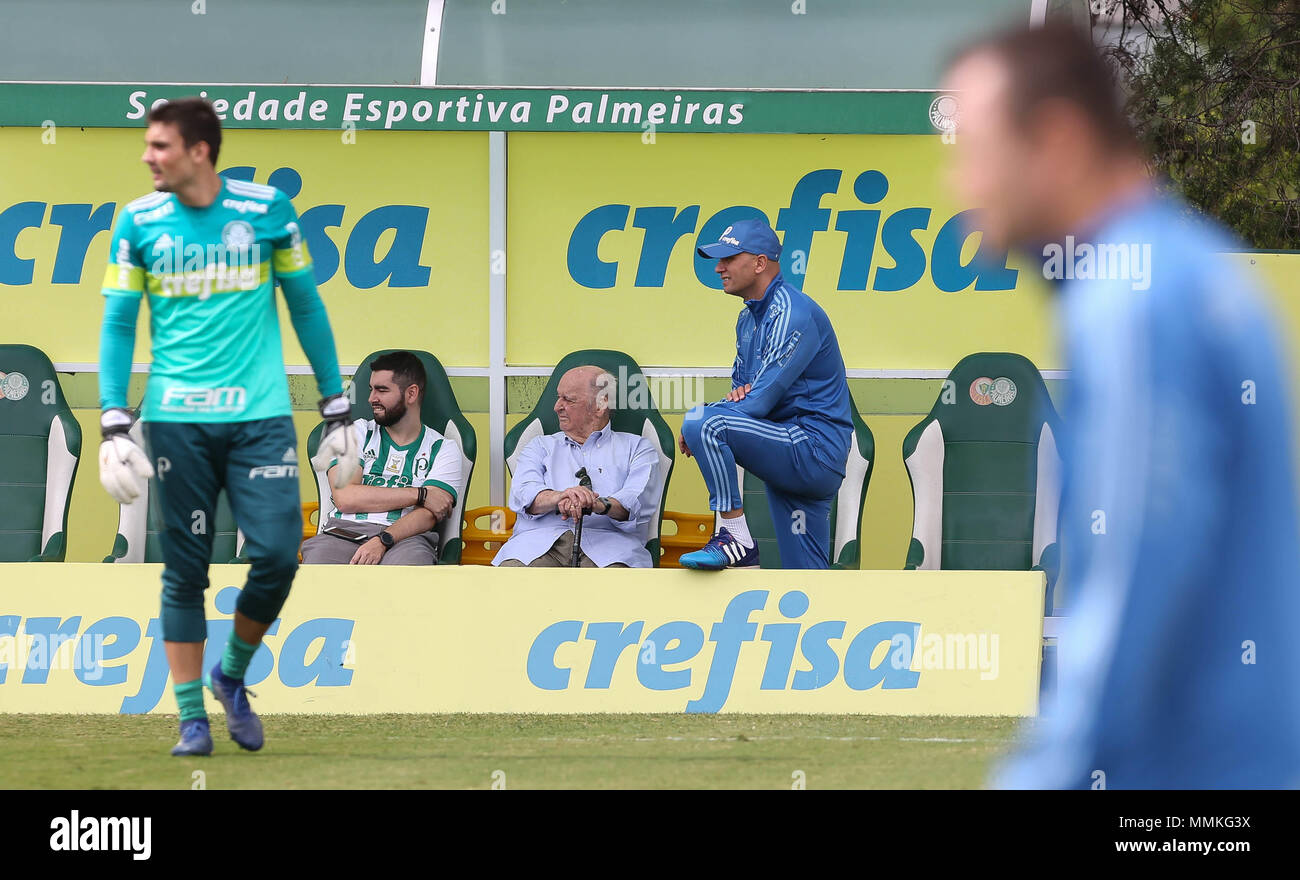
column 189, row 697
column 235, row 660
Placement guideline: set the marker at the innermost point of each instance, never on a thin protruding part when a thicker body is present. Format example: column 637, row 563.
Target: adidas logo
column 289, row 455
column 164, row 243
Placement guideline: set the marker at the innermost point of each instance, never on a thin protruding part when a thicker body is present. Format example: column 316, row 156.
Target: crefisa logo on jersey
column 245, row 206
column 192, row 269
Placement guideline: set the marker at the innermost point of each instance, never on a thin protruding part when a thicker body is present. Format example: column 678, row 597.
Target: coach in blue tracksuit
column 786, row 418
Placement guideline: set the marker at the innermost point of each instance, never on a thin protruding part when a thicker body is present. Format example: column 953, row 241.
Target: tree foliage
column 1214, row 93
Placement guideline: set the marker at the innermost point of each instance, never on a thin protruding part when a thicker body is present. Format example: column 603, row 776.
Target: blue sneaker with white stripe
column 244, row 725
column 722, row 551
column 196, row 738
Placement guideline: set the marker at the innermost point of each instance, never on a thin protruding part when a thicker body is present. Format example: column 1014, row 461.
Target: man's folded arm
column 417, row 522
column 358, row 498
column 788, row 358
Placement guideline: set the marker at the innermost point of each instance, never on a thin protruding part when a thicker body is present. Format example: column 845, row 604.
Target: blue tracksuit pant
column 800, row 488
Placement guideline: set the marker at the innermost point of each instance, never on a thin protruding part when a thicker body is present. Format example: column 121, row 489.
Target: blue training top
column 1179, row 666
column 786, row 348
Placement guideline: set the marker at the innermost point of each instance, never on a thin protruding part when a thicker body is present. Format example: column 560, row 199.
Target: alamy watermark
column 639, row 391
column 1105, row 261
column 39, row 653
column 948, row 652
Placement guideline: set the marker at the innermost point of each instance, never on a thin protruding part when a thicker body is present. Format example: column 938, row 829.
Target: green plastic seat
column 439, row 411
column 40, row 448
column 986, row 473
column 638, row 416
column 140, row 522
column 846, row 511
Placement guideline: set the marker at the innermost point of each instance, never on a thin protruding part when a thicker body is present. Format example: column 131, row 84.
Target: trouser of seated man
column 559, row 556
column 333, row 550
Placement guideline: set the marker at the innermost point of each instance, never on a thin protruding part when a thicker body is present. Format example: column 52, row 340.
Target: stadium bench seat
column 693, row 532
column 310, row 516
column 986, row 473
column 484, row 530
column 138, row 526
column 40, row 447
column 439, row 411
column 645, row 421
column 846, row 512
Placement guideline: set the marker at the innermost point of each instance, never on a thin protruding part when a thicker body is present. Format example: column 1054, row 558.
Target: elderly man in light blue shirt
column 623, row 468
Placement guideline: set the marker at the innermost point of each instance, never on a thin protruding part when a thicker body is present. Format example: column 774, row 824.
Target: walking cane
column 585, row 482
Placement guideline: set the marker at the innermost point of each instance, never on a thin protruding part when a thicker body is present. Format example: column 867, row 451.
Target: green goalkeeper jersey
column 210, row 275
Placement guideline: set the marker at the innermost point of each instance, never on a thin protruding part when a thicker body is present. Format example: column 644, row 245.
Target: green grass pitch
column 511, row 751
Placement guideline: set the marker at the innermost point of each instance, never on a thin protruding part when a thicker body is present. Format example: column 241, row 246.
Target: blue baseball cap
column 744, row 236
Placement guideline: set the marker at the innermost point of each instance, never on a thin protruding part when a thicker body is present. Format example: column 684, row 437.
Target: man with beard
column 408, row 482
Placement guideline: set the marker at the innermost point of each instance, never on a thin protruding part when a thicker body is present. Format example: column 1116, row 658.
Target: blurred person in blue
column 1177, row 667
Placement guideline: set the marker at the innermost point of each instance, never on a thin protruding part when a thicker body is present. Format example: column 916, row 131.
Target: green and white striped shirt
column 430, row 460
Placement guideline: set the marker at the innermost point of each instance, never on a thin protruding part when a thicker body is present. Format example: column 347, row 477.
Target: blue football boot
column 722, row 551
column 244, row 725
column 196, row 738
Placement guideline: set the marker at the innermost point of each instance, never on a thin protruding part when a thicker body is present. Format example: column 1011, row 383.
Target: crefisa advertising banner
column 86, row 638
column 601, row 231
column 396, row 224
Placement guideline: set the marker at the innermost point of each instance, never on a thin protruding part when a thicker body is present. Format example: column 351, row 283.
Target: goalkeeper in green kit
column 209, row 253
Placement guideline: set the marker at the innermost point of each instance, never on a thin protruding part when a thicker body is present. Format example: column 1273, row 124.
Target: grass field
column 530, row 751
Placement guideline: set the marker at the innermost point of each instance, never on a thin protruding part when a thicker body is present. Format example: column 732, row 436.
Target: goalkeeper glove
column 339, row 441
column 123, row 467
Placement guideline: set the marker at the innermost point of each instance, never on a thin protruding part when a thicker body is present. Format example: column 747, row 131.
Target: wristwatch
column 386, row 538
column 603, row 499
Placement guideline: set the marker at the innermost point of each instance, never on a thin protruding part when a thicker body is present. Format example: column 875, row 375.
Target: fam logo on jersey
column 183, row 399
column 14, row 386
column 1000, row 391
column 273, row 471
